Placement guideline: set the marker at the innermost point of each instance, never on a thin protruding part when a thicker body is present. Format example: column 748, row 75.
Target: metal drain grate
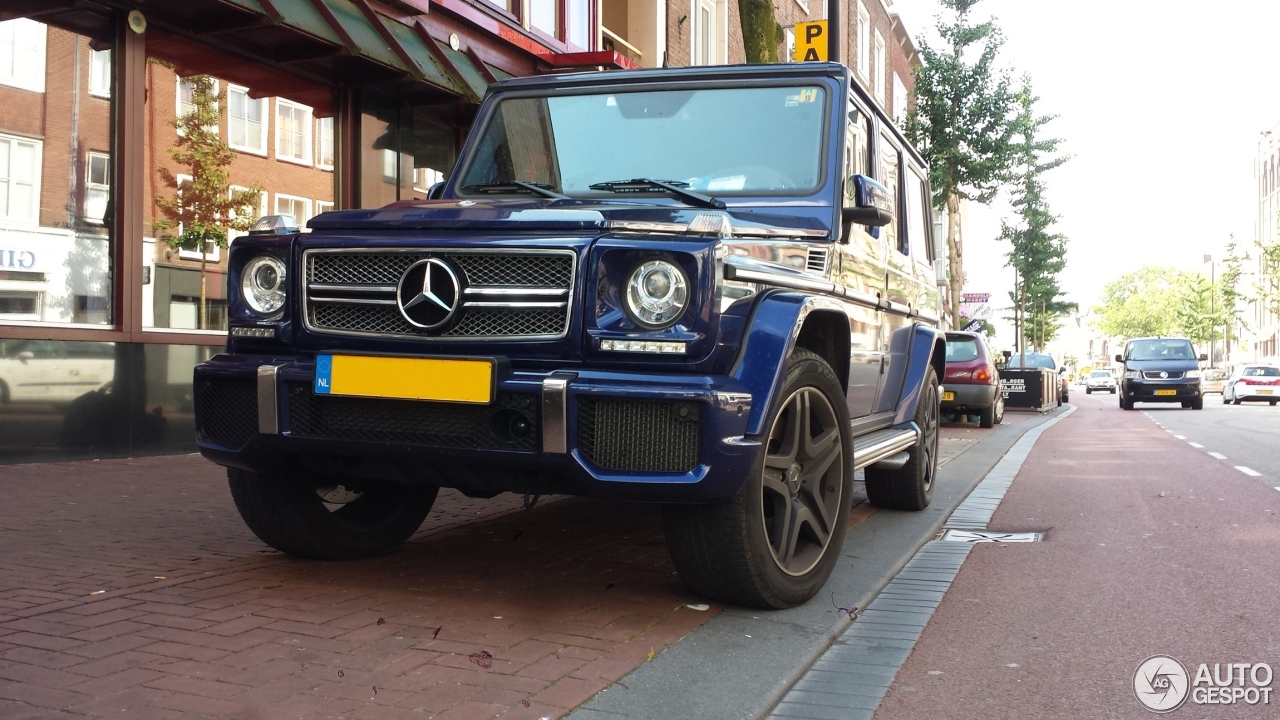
column 985, row 536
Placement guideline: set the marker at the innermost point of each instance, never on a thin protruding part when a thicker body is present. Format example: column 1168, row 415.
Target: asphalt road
column 1246, row 437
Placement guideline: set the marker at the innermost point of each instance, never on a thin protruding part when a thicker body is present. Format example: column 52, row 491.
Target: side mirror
column 1203, row 357
column 1007, row 354
column 1119, row 358
column 1062, row 370
column 436, row 191
column 867, row 202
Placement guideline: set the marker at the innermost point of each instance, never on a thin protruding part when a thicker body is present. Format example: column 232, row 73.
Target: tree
column 204, row 207
column 1267, row 286
column 1160, row 301
column 1037, row 253
column 761, row 33
column 960, row 123
column 1230, row 294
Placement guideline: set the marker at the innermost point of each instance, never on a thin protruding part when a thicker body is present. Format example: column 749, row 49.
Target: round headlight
column 657, row 294
column 262, row 285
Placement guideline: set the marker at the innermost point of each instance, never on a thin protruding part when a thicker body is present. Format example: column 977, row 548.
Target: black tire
column 999, row 407
column 1198, row 403
column 744, row 550
column 1088, row 391
column 1125, row 404
column 993, row 415
column 1186, row 404
column 1236, row 401
column 4, row 393
column 1225, row 401
column 288, row 514
column 1113, row 391
column 1272, row 402
column 910, row 487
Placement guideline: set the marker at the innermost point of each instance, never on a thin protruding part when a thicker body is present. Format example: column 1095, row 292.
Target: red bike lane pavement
column 1152, row 548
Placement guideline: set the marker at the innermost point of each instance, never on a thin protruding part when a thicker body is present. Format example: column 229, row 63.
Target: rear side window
column 890, row 175
column 1160, row 350
column 962, row 349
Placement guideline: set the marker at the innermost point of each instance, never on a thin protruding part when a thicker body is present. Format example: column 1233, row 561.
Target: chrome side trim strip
column 512, row 304
column 555, row 413
column 353, row 301
column 268, row 413
column 763, row 232
column 878, row 449
column 352, row 288
column 733, row 272
column 503, row 291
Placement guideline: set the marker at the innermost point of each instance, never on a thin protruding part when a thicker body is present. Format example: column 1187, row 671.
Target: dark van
column 1161, row 369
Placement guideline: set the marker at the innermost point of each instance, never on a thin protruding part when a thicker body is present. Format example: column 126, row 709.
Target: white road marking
column 1248, row 471
column 1195, row 445
column 1217, row 456
column 1181, row 437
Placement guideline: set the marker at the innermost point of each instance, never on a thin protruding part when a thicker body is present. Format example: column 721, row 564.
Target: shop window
column 424, row 178
column 324, row 143
column 22, row 54
column 97, row 186
column 100, row 73
column 403, row 149
column 19, row 180
column 298, row 207
column 293, row 132
column 246, row 121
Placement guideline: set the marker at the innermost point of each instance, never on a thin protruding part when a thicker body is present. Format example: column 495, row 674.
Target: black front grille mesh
column 432, row 424
column 639, row 435
column 227, row 410
column 474, row 323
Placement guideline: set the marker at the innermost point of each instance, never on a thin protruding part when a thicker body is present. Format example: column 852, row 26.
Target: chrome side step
column 883, row 445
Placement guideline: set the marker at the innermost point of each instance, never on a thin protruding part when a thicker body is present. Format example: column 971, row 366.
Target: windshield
column 962, row 350
column 1100, row 374
column 1160, row 350
column 1034, row 360
column 719, row 141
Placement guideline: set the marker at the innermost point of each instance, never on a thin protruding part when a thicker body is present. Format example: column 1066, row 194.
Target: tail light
column 984, row 374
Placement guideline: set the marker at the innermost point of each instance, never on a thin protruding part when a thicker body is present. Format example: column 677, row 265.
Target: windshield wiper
column 517, row 186
column 679, row 188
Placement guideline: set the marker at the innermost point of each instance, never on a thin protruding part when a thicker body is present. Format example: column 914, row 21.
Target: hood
column 1178, row 365
column 793, row 217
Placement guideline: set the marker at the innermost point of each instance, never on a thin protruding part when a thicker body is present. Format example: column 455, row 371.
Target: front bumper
column 968, row 397
column 1108, row 387
column 1174, row 390
column 665, row 438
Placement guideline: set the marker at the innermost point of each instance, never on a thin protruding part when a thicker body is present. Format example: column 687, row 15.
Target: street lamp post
column 1213, row 315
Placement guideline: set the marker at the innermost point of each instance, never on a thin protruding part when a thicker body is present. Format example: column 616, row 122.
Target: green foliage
column 761, row 33
column 1230, row 295
column 1160, row 301
column 1267, row 285
column 961, row 122
column 1037, row 253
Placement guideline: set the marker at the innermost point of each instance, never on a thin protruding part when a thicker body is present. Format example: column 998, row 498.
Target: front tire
column 308, row 518
column 910, row 487
column 1198, row 403
column 1088, row 391
column 774, row 544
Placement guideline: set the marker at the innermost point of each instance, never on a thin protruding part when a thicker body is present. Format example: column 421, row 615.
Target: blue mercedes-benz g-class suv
column 710, row 288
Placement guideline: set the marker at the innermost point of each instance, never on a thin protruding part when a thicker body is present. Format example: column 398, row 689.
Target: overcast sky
column 1160, row 103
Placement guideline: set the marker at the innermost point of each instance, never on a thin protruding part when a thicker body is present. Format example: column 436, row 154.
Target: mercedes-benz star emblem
column 428, row 293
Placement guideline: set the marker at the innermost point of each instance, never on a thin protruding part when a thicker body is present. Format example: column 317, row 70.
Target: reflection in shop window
column 17, row 305
column 100, row 73
column 298, row 207
column 323, row 206
column 293, row 132
column 186, row 90
column 19, row 179
column 246, row 121
column 424, row 178
column 97, row 186
column 22, row 54
column 324, row 143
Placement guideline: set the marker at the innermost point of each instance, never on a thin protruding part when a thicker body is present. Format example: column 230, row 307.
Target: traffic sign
column 811, row 41
column 972, row 326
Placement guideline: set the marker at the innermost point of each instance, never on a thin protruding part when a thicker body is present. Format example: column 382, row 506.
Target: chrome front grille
column 1159, row 375
column 507, row 294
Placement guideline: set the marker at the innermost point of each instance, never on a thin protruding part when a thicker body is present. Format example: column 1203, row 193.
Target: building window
column 293, row 132
column 899, row 99
column 19, row 180
column 324, row 143
column 19, row 305
column 22, row 55
column 186, row 105
column 100, row 73
column 544, row 15
column 97, row 186
column 424, row 178
column 299, row 208
column 707, row 22
column 323, row 206
column 880, row 70
column 246, row 121
column 195, row 253
column 579, row 22
column 789, row 42
column 864, row 42
column 504, row 4
column 257, row 212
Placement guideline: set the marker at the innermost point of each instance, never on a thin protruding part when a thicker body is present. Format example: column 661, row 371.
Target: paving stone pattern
column 131, row 588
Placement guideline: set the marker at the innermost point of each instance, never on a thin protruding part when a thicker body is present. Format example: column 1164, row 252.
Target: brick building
column 1262, row 327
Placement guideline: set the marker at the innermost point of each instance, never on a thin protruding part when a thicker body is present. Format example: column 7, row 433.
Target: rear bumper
column 665, row 438
column 969, row 397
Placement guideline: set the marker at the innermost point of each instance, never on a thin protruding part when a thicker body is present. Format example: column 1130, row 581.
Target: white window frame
column 99, row 72
column 320, row 139
column 262, row 132
column 789, row 42
column 37, row 155
column 27, row 70
column 178, row 112
column 717, row 53
column 322, row 206
column 422, row 175
column 262, row 210
column 880, row 70
column 307, row 130
column 899, row 99
column 89, row 185
column 194, row 254
column 302, row 222
column 864, row 42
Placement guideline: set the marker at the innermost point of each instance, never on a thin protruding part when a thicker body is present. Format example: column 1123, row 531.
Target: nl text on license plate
column 948, row 396
column 406, row 378
column 1166, row 392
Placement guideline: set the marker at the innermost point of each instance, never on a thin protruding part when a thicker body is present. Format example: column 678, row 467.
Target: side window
column 890, row 173
column 856, row 153
column 918, row 219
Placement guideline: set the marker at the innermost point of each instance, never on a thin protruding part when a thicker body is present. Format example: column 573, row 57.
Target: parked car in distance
column 971, row 383
column 1253, row 382
column 1041, row 360
column 1160, row 369
column 1099, row 380
column 49, row 371
column 1213, row 380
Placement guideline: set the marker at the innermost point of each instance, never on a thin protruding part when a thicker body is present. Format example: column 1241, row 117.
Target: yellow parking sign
column 811, row 41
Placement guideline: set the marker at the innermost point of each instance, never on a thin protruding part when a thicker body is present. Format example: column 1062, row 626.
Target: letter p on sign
column 811, row 41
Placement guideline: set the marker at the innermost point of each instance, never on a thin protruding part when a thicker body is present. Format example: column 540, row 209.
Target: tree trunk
column 204, row 313
column 955, row 260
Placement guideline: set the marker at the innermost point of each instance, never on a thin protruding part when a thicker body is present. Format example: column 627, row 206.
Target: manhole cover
column 982, row 536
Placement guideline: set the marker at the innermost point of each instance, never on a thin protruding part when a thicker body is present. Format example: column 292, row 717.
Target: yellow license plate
column 948, row 396
column 404, row 378
column 1264, row 391
column 1166, row 392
